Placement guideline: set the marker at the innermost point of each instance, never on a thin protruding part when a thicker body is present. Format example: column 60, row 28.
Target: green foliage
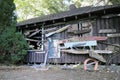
column 6, row 12
column 33, row 8
column 12, row 44
column 115, row 1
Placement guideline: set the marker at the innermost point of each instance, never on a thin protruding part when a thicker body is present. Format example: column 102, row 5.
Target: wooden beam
column 88, row 38
column 76, row 32
column 73, row 51
column 50, row 30
column 58, row 31
column 32, row 40
column 113, row 35
column 107, row 30
column 34, row 33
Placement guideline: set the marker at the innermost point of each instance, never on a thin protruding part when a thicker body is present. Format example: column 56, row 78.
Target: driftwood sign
column 107, row 30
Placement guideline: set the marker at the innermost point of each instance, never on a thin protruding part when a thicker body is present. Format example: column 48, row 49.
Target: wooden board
column 107, row 30
column 76, row 32
column 57, row 31
column 113, row 35
column 36, row 51
column 89, row 38
column 32, row 40
column 73, row 51
column 80, row 44
column 49, row 30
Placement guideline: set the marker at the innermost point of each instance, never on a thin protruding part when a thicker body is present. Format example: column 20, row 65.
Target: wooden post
column 42, row 46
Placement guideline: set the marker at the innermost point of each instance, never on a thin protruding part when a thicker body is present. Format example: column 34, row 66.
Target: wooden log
column 63, row 29
column 58, row 31
column 29, row 31
column 34, row 33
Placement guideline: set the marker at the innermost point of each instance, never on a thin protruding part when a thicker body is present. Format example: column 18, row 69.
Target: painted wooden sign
column 107, row 30
column 113, row 35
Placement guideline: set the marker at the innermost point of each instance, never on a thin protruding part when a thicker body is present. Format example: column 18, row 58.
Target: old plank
column 88, row 38
column 113, row 35
column 76, row 32
column 107, row 30
column 73, row 51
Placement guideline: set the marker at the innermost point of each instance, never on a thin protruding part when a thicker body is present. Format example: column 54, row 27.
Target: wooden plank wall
column 108, row 23
column 100, row 23
column 33, row 57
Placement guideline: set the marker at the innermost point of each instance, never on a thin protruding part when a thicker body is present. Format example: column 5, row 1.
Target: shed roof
column 82, row 12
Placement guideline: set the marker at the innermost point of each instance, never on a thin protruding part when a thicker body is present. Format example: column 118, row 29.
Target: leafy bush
column 13, row 46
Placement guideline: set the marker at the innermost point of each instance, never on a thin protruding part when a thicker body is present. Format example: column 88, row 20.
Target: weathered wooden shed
column 102, row 20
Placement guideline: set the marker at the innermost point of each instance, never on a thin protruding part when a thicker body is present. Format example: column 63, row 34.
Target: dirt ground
column 54, row 73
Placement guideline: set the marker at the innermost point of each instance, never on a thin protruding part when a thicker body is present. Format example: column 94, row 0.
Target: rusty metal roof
column 82, row 12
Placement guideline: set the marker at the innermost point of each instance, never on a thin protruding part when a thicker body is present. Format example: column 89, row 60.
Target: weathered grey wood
column 32, row 40
column 58, row 31
column 76, row 32
column 34, row 33
column 113, row 35
column 90, row 63
column 88, row 38
column 107, row 30
column 110, row 16
column 72, row 51
column 37, row 51
column 100, row 24
column 50, row 30
column 103, row 51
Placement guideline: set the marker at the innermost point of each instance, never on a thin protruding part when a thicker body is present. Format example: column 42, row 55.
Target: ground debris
column 54, row 73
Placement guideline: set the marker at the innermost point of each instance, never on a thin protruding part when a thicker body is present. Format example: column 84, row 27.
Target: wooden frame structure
column 85, row 21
